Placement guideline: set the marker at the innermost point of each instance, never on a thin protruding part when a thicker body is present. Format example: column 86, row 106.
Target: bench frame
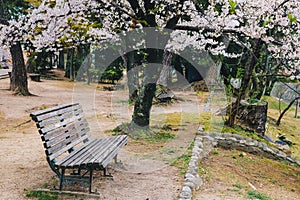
column 70, row 128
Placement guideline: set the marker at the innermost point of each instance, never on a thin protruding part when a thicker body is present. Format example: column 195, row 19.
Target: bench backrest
column 61, row 129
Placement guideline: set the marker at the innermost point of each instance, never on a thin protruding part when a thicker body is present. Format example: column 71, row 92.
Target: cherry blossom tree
column 262, row 33
column 12, row 17
column 266, row 30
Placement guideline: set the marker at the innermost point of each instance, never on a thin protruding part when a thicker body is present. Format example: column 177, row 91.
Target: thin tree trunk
column 69, row 65
column 249, row 67
column 61, row 60
column 132, row 76
column 164, row 76
column 269, row 86
column 89, row 75
column 179, row 70
column 18, row 77
column 285, row 110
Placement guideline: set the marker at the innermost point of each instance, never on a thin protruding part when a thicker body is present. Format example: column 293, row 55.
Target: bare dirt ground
column 23, row 164
column 145, row 171
column 232, row 174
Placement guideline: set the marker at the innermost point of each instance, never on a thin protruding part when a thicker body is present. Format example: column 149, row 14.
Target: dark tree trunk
column 269, row 86
column 142, row 107
column 132, row 76
column 141, row 115
column 69, row 65
column 143, row 104
column 18, row 77
column 61, row 60
column 31, row 63
column 285, row 110
column 179, row 70
column 51, row 56
column 258, row 88
column 249, row 67
column 88, row 73
column 164, row 77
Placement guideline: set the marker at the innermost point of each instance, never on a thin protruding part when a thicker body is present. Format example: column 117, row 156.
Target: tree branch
column 136, row 8
column 171, row 24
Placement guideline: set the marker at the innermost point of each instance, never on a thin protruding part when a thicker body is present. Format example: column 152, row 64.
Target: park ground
column 151, row 168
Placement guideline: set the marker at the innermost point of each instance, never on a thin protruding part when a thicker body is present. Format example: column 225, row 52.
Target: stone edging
column 203, row 144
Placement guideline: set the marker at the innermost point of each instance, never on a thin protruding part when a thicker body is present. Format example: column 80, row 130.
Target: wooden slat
column 76, row 153
column 78, row 158
column 111, row 148
column 70, row 127
column 65, row 149
column 87, row 156
column 107, row 160
column 97, row 149
column 101, row 151
column 62, row 137
column 61, row 124
column 58, row 118
column 57, row 110
column 67, row 141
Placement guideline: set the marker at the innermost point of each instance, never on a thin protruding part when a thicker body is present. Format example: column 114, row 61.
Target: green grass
column 273, row 103
column 257, row 195
column 161, row 136
column 149, row 135
column 241, row 131
column 237, row 185
column 42, row 195
column 289, row 124
column 182, row 162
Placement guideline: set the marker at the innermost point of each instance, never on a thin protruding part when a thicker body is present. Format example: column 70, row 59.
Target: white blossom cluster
column 275, row 22
column 66, row 23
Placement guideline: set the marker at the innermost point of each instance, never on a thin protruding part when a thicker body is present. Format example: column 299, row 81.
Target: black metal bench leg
column 62, row 177
column 106, row 174
column 91, row 180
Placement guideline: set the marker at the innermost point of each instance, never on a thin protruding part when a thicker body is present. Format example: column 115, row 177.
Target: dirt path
column 23, row 165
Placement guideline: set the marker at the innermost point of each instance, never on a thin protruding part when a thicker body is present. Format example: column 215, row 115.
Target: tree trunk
column 18, row 79
column 88, row 73
column 258, row 88
column 253, row 116
column 143, row 104
column 285, row 110
column 249, row 67
column 164, row 76
column 269, row 86
column 61, row 60
column 69, row 65
column 31, row 63
column 132, row 76
column 179, row 70
column 142, row 107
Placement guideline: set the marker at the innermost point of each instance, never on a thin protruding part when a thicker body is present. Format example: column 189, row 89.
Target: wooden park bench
column 69, row 151
column 4, row 73
column 35, row 77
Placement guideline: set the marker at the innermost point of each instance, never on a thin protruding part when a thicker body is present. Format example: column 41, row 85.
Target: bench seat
column 65, row 135
column 96, row 152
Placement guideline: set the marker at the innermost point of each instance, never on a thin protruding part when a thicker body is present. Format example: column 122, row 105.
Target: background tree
column 266, row 30
column 12, row 17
